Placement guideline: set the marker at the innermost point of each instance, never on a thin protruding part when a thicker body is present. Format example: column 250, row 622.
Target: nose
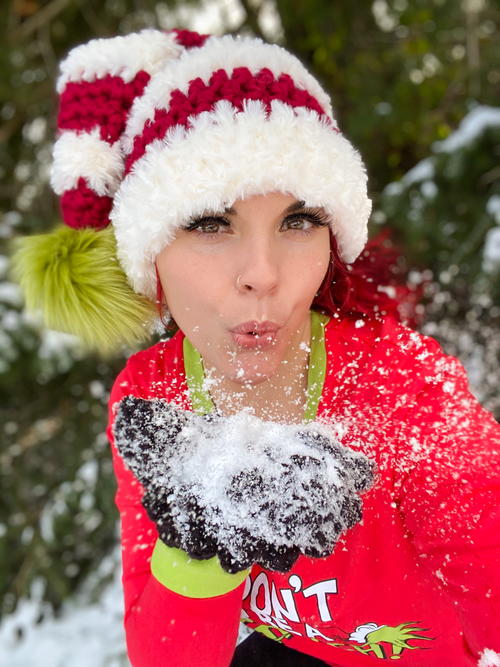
column 258, row 268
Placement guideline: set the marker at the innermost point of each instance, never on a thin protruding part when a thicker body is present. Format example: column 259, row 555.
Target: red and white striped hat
column 158, row 127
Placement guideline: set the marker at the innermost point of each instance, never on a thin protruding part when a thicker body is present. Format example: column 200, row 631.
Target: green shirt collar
column 195, row 374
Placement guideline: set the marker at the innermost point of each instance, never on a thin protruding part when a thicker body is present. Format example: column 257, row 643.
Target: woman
column 237, row 205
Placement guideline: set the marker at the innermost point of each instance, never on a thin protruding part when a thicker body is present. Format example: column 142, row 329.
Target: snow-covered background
column 87, row 632
column 464, row 316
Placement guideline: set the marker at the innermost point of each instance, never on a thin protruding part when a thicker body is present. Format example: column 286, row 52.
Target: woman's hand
column 241, row 488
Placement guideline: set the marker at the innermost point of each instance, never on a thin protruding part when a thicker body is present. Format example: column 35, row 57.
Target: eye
column 208, row 225
column 306, row 221
column 301, row 223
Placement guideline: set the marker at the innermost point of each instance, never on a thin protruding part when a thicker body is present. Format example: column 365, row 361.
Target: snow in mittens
column 489, row 658
column 239, row 487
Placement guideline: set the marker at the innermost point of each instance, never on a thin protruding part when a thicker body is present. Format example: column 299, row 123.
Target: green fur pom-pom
column 73, row 277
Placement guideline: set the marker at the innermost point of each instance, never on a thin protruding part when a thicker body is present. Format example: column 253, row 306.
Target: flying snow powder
column 241, row 488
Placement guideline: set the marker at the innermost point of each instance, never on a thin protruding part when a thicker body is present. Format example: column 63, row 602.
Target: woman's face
column 240, row 282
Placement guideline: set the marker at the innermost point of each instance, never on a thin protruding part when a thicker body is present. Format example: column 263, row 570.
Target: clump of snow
column 245, row 489
column 491, row 251
column 489, row 658
column 394, row 189
column 493, row 207
column 422, row 171
column 10, row 294
column 4, row 265
column 56, row 351
column 55, row 343
column 429, row 189
column 471, row 127
column 8, row 222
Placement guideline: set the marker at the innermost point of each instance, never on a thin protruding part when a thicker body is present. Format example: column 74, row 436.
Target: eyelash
column 316, row 216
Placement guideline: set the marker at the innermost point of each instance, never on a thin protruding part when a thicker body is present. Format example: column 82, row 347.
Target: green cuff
column 190, row 577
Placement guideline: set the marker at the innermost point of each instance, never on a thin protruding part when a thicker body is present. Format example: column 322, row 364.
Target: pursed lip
column 258, row 328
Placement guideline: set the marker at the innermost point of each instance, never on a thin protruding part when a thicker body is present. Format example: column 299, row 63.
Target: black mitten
column 241, row 488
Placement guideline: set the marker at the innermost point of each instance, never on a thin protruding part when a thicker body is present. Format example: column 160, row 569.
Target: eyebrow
column 296, row 206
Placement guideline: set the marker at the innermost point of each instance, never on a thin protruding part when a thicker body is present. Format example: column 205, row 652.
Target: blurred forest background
column 414, row 85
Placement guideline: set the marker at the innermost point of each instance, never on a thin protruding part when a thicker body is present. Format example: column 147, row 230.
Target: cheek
column 189, row 285
column 321, row 264
column 309, row 272
column 324, row 257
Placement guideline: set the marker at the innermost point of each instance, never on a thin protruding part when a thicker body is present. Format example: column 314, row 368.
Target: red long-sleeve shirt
column 417, row 580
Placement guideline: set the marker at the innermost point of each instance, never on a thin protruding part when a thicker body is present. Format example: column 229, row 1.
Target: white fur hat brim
column 227, row 155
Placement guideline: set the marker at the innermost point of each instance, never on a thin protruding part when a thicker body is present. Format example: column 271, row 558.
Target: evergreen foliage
column 444, row 208
column 445, row 212
column 402, row 75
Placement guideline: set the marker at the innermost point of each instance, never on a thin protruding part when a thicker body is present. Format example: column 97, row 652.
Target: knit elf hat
column 157, row 128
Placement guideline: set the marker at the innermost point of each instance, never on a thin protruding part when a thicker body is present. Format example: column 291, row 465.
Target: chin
column 249, row 379
column 253, row 374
